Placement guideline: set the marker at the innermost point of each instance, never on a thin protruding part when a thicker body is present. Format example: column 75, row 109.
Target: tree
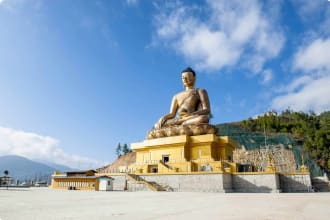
column 6, row 172
column 318, row 139
column 126, row 150
column 313, row 130
column 118, row 150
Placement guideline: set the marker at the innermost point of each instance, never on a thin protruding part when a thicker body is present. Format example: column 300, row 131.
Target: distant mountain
column 21, row 168
column 58, row 167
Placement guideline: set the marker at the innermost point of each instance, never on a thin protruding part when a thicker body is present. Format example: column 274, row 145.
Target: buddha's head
column 188, row 77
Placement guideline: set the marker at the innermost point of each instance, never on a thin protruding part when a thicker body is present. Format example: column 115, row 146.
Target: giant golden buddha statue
column 189, row 113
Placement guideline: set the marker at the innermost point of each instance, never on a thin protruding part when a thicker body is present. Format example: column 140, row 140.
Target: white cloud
column 234, row 32
column 311, row 90
column 209, row 49
column 313, row 96
column 35, row 146
column 315, row 56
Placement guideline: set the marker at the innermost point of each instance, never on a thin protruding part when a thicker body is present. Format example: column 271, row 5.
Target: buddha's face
column 188, row 79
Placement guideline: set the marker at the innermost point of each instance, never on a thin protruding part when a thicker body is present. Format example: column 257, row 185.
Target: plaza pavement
column 49, row 204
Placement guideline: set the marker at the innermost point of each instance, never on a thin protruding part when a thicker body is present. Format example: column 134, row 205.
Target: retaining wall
column 119, row 182
column 295, row 182
column 192, row 182
column 131, row 186
column 218, row 182
column 260, row 183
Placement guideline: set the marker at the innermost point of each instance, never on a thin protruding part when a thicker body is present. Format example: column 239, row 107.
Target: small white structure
column 105, row 183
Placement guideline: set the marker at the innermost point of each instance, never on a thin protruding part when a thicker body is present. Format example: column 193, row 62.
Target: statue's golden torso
column 188, row 102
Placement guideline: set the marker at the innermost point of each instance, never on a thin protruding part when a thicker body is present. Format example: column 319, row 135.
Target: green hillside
column 250, row 140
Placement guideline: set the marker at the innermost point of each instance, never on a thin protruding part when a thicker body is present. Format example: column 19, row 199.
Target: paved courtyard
column 48, row 204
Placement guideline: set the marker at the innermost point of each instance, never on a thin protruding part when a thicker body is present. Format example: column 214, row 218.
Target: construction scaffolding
column 256, row 147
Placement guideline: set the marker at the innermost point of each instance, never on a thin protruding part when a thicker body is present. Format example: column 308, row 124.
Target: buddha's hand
column 160, row 122
column 183, row 114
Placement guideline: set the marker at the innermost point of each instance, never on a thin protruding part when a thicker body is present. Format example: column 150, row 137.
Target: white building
column 105, row 183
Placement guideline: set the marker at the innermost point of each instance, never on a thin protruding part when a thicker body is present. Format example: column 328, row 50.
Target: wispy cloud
column 311, row 90
column 132, row 2
column 295, row 85
column 307, row 10
column 267, row 76
column 98, row 25
column 19, row 7
column 35, row 146
column 228, row 103
column 233, row 32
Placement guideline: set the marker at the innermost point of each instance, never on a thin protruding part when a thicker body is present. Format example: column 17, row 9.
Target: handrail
column 166, row 165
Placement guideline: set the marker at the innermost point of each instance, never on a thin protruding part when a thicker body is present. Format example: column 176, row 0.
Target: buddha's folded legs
column 196, row 119
column 199, row 119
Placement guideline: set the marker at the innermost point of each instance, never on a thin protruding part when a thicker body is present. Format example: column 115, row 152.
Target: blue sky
column 78, row 77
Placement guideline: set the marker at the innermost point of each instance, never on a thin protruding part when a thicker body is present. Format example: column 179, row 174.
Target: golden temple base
column 184, row 154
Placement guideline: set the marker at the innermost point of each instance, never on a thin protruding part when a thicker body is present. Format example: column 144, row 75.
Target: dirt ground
column 49, row 204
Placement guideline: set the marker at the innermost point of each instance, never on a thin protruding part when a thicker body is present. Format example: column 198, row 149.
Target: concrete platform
column 45, row 203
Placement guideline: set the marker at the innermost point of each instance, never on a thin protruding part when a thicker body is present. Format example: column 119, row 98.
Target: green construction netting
column 256, row 140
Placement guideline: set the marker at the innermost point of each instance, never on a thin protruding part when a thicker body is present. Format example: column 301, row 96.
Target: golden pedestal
column 183, row 154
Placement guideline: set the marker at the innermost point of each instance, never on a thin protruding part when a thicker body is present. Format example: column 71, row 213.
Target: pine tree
column 118, row 150
column 126, row 149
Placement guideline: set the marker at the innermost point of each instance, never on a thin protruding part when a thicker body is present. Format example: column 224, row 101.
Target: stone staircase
column 139, row 180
